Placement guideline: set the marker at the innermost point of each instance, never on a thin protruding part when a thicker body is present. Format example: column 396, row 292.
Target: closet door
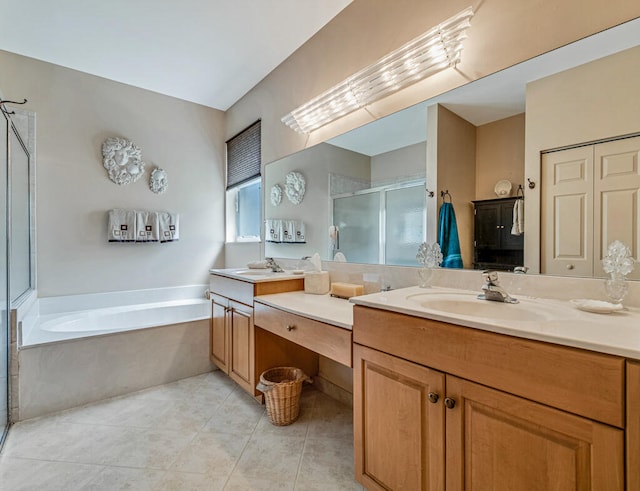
column 616, row 189
column 567, row 212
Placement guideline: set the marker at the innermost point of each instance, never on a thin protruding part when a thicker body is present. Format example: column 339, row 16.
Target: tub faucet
column 275, row 267
column 492, row 289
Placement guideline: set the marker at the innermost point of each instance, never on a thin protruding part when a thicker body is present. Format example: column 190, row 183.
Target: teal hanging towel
column 448, row 237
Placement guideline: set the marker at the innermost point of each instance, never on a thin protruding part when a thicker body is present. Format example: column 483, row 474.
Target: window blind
column 243, row 156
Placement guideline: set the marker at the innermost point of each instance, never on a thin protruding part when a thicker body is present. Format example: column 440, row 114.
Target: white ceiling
column 491, row 98
column 210, row 52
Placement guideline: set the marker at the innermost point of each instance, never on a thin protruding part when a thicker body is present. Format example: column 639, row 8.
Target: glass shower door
column 4, row 301
column 358, row 220
column 405, row 218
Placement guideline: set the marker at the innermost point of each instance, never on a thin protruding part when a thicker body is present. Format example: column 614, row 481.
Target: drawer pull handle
column 290, row 327
column 450, row 403
column 433, row 397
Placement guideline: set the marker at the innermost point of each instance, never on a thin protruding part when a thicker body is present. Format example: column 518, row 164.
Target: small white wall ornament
column 276, row 195
column 158, row 182
column 123, row 160
column 294, row 187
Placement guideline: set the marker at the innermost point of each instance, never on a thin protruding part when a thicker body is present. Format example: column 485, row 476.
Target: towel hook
column 444, row 194
column 520, row 191
column 4, row 110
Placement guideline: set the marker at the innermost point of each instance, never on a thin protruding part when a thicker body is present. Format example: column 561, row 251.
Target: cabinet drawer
column 327, row 340
column 579, row 381
column 240, row 291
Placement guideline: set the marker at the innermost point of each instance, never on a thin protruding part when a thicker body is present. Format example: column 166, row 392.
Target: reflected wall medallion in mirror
column 276, row 195
column 158, row 181
column 123, row 160
column 295, row 187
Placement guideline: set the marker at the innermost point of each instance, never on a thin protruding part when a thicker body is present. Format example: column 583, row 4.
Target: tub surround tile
column 95, row 447
column 59, row 376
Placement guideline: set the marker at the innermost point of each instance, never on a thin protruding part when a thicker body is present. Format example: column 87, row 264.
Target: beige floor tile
column 182, row 481
column 201, row 433
column 269, row 457
column 244, row 483
column 37, row 475
column 215, row 454
column 321, row 454
column 147, row 448
column 235, row 418
column 124, row 478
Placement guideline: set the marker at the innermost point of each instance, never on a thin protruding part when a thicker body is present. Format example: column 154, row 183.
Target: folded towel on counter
column 518, row 217
column 448, row 237
column 273, row 230
column 293, row 231
column 147, row 226
column 122, row 226
column 168, row 226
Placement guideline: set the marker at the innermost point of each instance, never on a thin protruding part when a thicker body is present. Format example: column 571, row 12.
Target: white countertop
column 256, row 275
column 553, row 321
column 323, row 308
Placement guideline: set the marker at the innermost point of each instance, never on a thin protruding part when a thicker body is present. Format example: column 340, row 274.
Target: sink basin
column 527, row 310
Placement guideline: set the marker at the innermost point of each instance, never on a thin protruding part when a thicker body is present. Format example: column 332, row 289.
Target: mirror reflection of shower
column 382, row 225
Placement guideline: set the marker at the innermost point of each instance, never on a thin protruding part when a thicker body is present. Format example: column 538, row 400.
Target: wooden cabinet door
column 487, row 226
column 499, row 442
column 398, row 432
column 633, row 425
column 241, row 350
column 219, row 335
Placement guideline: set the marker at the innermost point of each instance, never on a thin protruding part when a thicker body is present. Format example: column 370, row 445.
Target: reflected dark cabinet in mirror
column 495, row 247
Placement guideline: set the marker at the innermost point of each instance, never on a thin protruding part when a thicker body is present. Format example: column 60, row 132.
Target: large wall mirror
column 373, row 184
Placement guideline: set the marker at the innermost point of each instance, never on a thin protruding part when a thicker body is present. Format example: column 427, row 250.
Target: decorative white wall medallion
column 123, row 160
column 158, row 182
column 294, row 187
column 276, row 195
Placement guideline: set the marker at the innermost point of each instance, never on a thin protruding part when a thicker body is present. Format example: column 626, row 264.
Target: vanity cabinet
column 494, row 247
column 232, row 332
column 438, row 406
column 232, row 339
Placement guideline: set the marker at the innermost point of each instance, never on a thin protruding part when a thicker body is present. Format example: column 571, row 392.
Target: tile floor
column 200, row 433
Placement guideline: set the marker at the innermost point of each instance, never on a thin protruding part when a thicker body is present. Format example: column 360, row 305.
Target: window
column 244, row 185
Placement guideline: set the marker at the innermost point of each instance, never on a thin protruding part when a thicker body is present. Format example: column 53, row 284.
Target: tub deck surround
column 54, row 319
column 78, row 349
column 557, row 322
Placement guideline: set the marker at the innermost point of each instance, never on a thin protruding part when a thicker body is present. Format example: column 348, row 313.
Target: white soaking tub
column 78, row 349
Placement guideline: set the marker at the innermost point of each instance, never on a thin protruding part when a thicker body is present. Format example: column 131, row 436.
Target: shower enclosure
column 383, row 225
column 17, row 275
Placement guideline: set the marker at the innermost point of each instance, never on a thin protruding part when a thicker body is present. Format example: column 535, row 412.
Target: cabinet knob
column 569, row 266
column 433, row 397
column 449, row 403
column 290, row 327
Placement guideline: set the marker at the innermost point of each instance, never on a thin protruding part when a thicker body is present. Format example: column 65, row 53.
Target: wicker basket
column 282, row 387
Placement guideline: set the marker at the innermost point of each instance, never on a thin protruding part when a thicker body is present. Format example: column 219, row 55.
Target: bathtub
column 55, row 319
column 80, row 349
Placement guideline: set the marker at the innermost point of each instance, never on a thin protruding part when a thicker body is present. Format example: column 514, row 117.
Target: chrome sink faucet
column 275, row 267
column 492, row 289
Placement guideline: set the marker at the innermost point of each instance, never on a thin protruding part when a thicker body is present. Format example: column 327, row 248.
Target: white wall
column 76, row 112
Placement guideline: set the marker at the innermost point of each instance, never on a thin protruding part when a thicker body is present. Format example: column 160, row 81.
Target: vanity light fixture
column 431, row 52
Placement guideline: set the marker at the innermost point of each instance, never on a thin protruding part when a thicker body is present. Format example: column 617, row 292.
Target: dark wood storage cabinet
column 494, row 245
